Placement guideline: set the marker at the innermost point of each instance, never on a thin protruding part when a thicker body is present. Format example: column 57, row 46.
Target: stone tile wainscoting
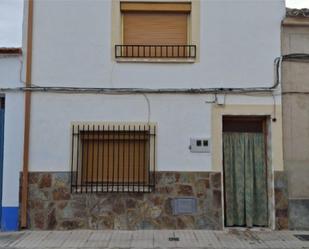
column 299, row 214
column 281, row 200
column 52, row 206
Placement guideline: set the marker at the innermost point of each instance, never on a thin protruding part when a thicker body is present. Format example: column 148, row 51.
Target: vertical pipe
column 24, row 197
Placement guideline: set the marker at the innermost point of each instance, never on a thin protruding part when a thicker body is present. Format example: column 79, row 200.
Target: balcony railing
column 156, row 51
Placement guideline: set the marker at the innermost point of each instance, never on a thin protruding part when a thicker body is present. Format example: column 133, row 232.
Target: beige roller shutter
column 155, row 28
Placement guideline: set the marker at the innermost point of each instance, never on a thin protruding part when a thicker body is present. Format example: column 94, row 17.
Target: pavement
column 165, row 239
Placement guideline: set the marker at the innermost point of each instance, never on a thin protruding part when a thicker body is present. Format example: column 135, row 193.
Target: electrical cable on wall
column 221, row 90
column 255, row 91
column 274, row 119
column 21, row 61
column 148, row 107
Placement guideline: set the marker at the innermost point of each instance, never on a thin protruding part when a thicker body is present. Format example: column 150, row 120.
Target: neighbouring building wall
column 10, row 66
column 295, row 102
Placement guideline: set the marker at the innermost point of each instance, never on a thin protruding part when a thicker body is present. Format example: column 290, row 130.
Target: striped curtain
column 245, row 179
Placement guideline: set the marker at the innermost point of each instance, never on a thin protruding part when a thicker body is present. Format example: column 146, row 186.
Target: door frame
column 265, row 123
column 275, row 145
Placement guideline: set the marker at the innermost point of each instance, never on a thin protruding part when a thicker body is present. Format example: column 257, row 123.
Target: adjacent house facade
column 295, row 40
column 148, row 115
column 11, row 135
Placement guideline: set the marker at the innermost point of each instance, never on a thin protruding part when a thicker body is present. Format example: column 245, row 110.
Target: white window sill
column 155, row 60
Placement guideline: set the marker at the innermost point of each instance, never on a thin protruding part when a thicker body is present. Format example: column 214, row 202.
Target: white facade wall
column 72, row 45
column 178, row 118
column 10, row 67
column 238, row 43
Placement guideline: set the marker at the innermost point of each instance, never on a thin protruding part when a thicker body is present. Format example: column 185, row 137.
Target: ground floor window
column 113, row 157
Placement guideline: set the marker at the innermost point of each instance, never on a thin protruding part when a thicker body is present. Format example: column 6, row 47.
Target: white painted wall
column 13, row 129
column 239, row 41
column 178, row 117
column 10, row 66
column 72, row 47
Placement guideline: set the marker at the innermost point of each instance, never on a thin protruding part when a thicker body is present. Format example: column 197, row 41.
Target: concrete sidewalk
column 190, row 239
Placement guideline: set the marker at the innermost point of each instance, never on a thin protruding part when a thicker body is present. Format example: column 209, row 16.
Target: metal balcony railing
column 156, row 51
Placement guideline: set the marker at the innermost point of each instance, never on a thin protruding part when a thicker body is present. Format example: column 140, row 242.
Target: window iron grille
column 113, row 158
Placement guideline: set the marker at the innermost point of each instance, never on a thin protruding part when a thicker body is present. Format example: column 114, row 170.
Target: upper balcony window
column 155, row 30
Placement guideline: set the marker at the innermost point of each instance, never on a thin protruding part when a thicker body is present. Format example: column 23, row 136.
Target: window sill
column 155, row 60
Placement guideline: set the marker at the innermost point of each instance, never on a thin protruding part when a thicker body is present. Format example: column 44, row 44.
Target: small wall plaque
column 184, row 205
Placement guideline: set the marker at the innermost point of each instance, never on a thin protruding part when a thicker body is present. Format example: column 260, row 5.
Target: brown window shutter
column 184, row 7
column 114, row 157
column 155, row 28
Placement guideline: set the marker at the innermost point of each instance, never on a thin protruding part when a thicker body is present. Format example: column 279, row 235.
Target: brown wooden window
column 113, row 158
column 155, row 30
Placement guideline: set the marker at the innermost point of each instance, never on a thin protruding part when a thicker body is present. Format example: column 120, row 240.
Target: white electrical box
column 199, row 145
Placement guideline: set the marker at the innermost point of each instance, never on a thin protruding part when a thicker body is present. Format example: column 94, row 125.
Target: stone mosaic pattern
column 52, row 206
column 281, row 200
